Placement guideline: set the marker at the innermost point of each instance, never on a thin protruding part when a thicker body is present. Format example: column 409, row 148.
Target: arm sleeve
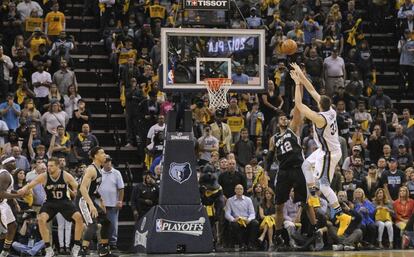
column 252, row 213
column 227, row 213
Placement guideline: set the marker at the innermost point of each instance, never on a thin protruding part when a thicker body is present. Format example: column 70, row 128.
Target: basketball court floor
column 377, row 253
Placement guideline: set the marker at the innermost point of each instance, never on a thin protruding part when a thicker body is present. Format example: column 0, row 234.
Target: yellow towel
column 242, row 222
column 269, row 221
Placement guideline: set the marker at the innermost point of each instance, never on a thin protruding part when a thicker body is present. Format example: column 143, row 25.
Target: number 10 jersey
column 288, row 150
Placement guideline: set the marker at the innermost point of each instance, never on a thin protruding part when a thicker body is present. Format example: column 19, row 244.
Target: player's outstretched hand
column 294, row 75
column 298, row 71
column 22, row 192
column 94, row 212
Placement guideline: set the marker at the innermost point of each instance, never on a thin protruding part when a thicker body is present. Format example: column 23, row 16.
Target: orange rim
column 216, row 83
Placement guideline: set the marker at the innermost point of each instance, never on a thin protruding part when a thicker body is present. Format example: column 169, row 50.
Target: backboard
column 190, row 55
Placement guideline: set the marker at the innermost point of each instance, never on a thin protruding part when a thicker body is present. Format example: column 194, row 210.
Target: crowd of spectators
column 43, row 114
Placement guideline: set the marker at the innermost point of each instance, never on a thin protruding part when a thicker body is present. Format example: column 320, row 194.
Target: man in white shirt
column 242, row 217
column 41, row 81
column 26, row 7
column 6, row 65
column 334, row 68
column 112, row 192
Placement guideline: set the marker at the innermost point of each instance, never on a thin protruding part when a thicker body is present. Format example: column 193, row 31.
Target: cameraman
column 29, row 240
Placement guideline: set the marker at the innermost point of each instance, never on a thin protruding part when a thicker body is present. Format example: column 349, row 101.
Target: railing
column 108, row 110
column 99, row 78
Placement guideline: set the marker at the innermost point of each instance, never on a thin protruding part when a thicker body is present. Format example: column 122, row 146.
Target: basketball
column 289, row 47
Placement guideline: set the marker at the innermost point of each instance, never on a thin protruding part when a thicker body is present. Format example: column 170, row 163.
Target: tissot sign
column 207, row 4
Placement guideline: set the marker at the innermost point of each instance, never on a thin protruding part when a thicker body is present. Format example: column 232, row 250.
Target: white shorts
column 324, row 163
column 7, row 215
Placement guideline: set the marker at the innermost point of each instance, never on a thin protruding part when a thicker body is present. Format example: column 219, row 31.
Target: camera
column 29, row 214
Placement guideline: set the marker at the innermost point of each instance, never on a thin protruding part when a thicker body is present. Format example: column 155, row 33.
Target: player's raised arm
column 40, row 179
column 306, row 83
column 297, row 118
column 313, row 116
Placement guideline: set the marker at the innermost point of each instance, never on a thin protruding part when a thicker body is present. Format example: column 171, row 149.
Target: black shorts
column 64, row 207
column 288, row 179
column 86, row 214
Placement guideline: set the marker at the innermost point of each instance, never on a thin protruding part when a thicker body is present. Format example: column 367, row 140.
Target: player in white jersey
column 8, row 221
column 320, row 165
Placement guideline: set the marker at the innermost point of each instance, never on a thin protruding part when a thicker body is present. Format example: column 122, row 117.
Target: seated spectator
column 240, row 214
column 366, row 209
column 10, row 112
column 267, row 213
column 291, row 216
column 84, row 142
column 244, row 149
column 371, row 182
column 11, row 23
column 383, row 217
column 392, row 180
column 403, row 207
column 404, row 159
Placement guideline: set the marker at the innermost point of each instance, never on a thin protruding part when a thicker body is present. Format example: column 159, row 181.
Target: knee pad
column 328, row 193
column 106, row 226
column 90, row 231
column 307, row 172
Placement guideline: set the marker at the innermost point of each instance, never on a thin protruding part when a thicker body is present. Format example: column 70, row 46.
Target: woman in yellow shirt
column 54, row 21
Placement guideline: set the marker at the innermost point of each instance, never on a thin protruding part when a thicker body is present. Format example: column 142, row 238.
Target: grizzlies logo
column 180, row 172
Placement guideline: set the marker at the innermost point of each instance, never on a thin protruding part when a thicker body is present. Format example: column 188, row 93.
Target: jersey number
column 286, row 147
column 334, row 128
column 57, row 194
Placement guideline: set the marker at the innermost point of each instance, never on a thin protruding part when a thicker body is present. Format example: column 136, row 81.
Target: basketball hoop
column 217, row 92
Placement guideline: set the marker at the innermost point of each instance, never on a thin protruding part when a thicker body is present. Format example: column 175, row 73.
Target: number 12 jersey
column 288, row 150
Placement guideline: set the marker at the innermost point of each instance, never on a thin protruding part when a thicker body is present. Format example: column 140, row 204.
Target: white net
column 217, row 92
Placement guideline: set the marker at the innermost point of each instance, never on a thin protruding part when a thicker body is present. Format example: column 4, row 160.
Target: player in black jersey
column 55, row 182
column 91, row 203
column 288, row 150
